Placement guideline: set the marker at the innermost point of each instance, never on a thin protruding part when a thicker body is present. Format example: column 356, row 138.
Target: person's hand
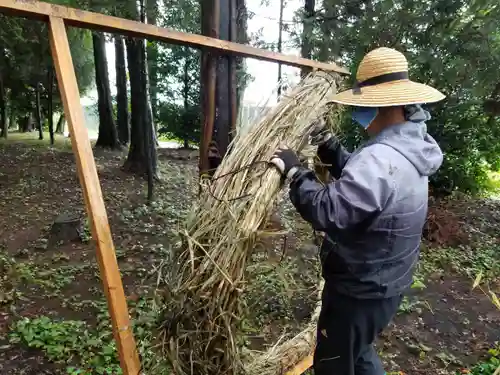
column 286, row 161
column 320, row 133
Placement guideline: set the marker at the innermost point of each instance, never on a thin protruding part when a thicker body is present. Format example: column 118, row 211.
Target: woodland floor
column 53, row 316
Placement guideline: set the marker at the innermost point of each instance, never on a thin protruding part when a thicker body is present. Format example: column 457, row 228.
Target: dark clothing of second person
column 374, row 212
column 347, row 327
column 372, row 216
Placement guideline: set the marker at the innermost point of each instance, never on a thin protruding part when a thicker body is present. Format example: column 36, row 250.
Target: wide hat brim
column 390, row 94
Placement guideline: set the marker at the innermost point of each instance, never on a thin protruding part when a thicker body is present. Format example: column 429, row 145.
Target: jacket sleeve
column 334, row 154
column 361, row 192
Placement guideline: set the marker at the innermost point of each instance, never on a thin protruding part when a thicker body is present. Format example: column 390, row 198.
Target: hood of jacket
column 412, row 141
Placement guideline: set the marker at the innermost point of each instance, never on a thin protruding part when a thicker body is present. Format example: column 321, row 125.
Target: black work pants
column 347, row 328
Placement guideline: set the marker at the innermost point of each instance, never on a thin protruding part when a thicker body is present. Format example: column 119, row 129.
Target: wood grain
column 303, row 365
column 94, row 202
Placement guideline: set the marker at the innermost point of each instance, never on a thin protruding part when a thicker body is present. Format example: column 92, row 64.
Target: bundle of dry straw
column 284, row 356
column 201, row 325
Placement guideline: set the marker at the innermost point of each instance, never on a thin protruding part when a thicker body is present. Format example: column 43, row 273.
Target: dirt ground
column 53, row 317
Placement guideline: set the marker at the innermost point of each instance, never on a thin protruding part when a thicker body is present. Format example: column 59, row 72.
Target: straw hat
column 382, row 81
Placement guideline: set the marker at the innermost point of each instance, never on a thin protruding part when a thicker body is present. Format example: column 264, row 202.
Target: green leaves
column 488, row 366
column 453, row 45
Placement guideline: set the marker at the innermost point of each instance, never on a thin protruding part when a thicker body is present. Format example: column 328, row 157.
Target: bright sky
column 265, row 75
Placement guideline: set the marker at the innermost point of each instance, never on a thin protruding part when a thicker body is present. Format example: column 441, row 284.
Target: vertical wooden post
column 222, row 125
column 94, row 202
column 210, row 27
column 233, row 78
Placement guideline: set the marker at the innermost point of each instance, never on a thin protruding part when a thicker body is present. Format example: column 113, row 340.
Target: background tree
column 122, row 116
column 108, row 136
column 30, row 90
column 179, row 70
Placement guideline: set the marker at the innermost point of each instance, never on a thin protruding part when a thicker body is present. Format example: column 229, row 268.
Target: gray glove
column 320, row 134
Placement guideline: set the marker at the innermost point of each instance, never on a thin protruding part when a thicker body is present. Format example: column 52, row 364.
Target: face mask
column 364, row 115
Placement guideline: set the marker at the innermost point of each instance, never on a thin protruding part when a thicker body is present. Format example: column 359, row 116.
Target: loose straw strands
column 283, row 357
column 201, row 322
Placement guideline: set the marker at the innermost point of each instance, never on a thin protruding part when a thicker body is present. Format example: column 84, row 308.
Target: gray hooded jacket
column 374, row 212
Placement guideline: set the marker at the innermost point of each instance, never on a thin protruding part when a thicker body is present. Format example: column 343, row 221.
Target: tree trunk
column 208, row 77
column 280, row 44
column 38, row 113
column 26, row 123
column 307, row 30
column 122, row 117
column 4, row 125
column 185, row 94
column 108, row 136
column 141, row 121
column 50, row 107
column 12, row 117
column 152, row 54
column 241, row 37
column 222, row 125
column 150, row 141
column 60, row 124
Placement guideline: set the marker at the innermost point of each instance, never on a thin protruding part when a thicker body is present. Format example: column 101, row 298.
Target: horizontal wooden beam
column 97, row 21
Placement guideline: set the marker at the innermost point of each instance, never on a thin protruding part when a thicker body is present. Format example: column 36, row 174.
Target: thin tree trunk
column 50, row 107
column 241, row 37
column 108, row 136
column 136, row 160
column 142, row 153
column 152, row 55
column 208, row 75
column 133, row 162
column 38, row 114
column 185, row 94
column 12, row 117
column 4, row 126
column 307, row 30
column 280, row 44
column 122, row 117
column 150, row 140
column 60, row 124
column 26, row 123
column 233, row 67
column 222, row 126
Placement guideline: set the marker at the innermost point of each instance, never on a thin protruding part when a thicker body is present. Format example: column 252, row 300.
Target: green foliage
column 488, row 366
column 453, row 45
column 85, row 350
column 180, row 123
column 26, row 60
column 463, row 260
column 178, row 69
column 63, row 340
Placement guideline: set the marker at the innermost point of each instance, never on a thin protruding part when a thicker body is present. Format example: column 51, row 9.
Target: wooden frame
column 58, row 18
column 108, row 265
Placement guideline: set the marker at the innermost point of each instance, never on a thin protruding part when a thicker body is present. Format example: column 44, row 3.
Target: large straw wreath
column 201, row 322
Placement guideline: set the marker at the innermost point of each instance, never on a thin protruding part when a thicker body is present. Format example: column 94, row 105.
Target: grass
column 85, row 349
column 494, row 184
column 38, row 276
column 82, row 347
column 61, row 143
column 464, row 260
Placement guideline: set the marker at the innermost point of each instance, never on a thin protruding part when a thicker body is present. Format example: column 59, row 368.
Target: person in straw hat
column 372, row 214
